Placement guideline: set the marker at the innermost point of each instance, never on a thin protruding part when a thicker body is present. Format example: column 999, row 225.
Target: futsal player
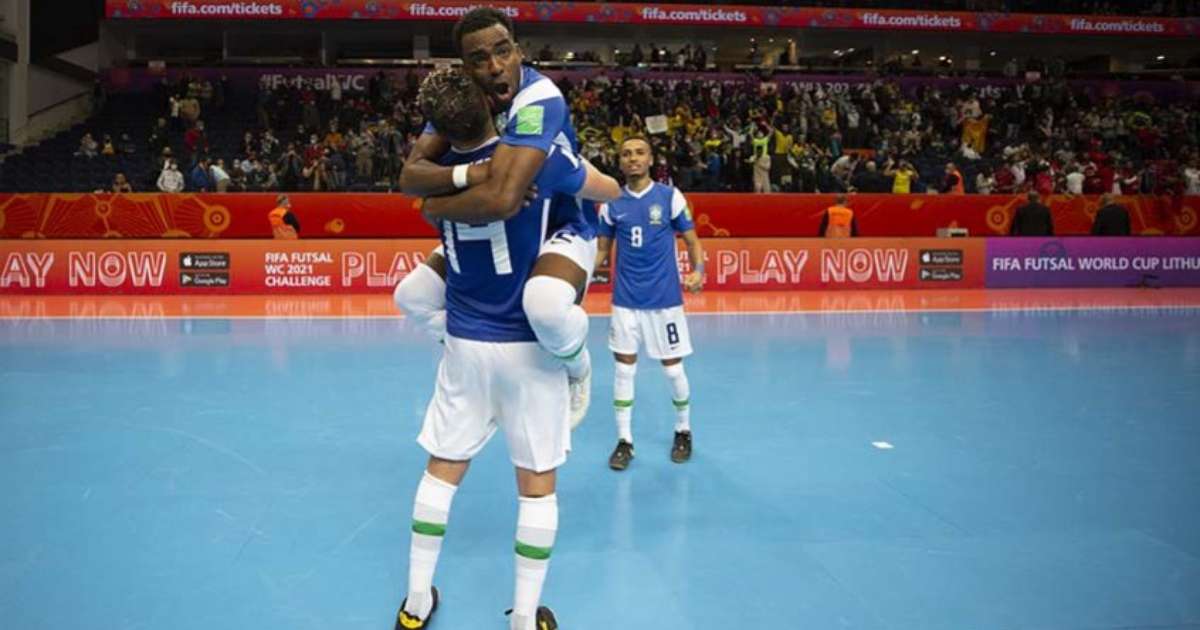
column 647, row 298
column 493, row 373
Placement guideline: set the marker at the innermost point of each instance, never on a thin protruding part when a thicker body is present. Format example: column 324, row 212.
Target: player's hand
column 530, row 195
column 694, row 282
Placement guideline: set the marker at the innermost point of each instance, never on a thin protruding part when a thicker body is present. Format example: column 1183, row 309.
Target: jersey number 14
column 493, row 232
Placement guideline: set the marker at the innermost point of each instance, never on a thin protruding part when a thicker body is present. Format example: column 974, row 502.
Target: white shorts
column 664, row 332
column 581, row 251
column 482, row 386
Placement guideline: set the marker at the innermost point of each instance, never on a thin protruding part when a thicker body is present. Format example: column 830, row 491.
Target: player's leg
column 551, row 302
column 535, row 405
column 624, row 337
column 669, row 341
column 458, row 424
column 422, row 295
column 431, row 514
column 537, row 528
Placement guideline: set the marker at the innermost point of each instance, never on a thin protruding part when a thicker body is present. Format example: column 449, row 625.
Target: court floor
column 886, row 460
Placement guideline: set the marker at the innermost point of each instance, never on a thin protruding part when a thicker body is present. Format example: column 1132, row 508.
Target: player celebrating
column 647, row 300
column 493, row 373
column 534, row 118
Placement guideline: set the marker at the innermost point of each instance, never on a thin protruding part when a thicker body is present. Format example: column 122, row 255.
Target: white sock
column 431, row 512
column 680, row 395
column 537, row 526
column 422, row 296
column 561, row 326
column 623, row 399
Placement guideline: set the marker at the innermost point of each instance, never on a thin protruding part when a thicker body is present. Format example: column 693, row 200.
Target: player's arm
column 499, row 197
column 605, row 230
column 423, row 177
column 694, row 280
column 681, row 220
column 597, row 186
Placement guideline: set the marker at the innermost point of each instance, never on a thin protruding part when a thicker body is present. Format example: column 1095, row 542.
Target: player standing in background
column 493, row 373
column 533, row 117
column 647, row 298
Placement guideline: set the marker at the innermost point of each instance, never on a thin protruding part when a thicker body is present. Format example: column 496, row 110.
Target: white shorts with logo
column 580, row 250
column 663, row 331
column 517, row 387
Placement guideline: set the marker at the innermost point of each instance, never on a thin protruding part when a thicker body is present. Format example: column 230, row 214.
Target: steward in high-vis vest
column 839, row 221
column 954, row 183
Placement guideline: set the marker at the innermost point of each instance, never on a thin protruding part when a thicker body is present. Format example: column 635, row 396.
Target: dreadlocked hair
column 451, row 101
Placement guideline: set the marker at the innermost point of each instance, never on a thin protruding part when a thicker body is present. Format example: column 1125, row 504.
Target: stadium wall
column 331, row 267
column 732, row 215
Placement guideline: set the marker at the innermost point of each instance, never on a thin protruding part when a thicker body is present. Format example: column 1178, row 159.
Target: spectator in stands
column 1112, row 219
column 985, row 181
column 903, row 175
column 196, row 140
column 1074, row 181
column 1191, row 177
column 954, row 183
column 88, row 147
column 869, row 180
column 220, row 176
column 159, row 137
column 200, row 179
column 838, row 220
column 108, row 149
column 1032, row 219
column 284, row 224
column 170, row 180
column 121, row 184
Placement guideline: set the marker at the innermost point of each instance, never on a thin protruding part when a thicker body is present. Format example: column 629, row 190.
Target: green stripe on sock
column 568, row 357
column 428, row 529
column 531, row 552
column 622, row 404
column 680, row 404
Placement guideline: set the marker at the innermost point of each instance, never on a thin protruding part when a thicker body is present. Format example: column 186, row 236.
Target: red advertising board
column 195, row 267
column 654, row 13
column 329, row 215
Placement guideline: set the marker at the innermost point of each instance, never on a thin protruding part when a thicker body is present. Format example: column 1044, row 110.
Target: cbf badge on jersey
column 656, row 214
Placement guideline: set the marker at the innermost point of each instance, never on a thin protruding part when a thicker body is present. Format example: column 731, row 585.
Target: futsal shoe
column 581, row 397
column 681, row 450
column 405, row 621
column 544, row 620
column 621, row 456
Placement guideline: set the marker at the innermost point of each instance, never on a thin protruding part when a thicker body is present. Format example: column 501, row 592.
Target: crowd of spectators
column 748, row 135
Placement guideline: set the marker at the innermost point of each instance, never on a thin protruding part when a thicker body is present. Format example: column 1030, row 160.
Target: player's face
column 493, row 60
column 635, row 158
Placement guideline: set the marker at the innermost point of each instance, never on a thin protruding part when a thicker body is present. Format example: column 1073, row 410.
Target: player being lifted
column 647, row 300
column 493, row 373
column 533, row 117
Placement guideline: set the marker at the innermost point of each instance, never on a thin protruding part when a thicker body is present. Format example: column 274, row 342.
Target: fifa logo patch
column 656, row 214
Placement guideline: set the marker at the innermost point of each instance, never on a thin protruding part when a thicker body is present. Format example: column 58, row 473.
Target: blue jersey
column 539, row 118
column 644, row 226
column 487, row 265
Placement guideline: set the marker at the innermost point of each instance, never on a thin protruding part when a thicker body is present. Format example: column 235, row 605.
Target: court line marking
column 1016, row 309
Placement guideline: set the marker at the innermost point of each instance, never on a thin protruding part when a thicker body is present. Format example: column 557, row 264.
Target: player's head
column 455, row 105
column 490, row 53
column 636, row 156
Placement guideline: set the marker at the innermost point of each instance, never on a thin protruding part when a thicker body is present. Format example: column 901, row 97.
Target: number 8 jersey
column 644, row 225
column 487, row 265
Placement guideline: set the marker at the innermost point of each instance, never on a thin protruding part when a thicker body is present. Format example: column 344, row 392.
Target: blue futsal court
column 888, row 470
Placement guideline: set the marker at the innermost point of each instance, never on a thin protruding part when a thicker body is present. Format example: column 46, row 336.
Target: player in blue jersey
column 647, row 298
column 533, row 118
column 493, row 373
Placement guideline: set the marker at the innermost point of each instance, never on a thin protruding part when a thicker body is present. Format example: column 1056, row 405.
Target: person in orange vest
column 953, row 183
column 839, row 221
column 284, row 224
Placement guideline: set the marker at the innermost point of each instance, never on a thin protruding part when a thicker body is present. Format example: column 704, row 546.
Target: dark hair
column 450, row 100
column 638, row 137
column 477, row 20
